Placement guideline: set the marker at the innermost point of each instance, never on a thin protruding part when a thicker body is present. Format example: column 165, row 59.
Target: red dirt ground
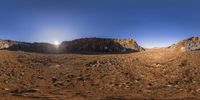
column 151, row 74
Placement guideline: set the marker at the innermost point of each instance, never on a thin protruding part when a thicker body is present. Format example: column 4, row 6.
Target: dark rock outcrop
column 29, row 47
column 100, row 45
column 35, row 47
column 77, row 46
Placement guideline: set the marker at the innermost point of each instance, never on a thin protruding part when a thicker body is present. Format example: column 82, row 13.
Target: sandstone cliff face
column 29, row 47
column 78, row 45
column 100, row 45
column 190, row 44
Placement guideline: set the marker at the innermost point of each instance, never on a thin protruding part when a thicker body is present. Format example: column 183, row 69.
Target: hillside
column 84, row 45
column 190, row 44
column 101, row 45
column 4, row 44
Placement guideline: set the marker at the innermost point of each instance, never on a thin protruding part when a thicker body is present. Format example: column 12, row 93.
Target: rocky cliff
column 190, row 44
column 100, row 45
column 78, row 45
column 6, row 44
column 25, row 46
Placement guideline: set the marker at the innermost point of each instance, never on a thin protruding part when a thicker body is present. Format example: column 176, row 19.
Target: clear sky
column 152, row 23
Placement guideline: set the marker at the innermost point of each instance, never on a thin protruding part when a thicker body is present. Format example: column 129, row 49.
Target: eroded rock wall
column 190, row 44
column 100, row 45
column 78, row 45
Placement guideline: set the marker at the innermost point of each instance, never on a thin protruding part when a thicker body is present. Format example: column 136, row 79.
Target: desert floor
column 151, row 74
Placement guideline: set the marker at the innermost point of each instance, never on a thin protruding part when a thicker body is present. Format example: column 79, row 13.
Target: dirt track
column 152, row 74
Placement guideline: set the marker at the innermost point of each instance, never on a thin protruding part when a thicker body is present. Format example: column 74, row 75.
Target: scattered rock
column 59, row 83
column 56, row 66
column 20, row 91
column 6, row 89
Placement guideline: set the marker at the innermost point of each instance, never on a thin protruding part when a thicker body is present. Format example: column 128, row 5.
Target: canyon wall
column 77, row 46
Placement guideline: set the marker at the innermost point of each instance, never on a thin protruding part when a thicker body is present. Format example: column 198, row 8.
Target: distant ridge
column 190, row 44
column 107, row 45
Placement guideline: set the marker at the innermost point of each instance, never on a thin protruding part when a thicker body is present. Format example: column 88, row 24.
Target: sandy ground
column 152, row 74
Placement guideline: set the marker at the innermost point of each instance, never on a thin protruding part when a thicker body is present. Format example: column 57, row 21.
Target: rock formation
column 190, row 44
column 100, row 45
column 6, row 44
column 29, row 47
column 78, row 46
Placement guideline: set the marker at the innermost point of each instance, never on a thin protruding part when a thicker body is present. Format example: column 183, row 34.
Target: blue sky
column 152, row 23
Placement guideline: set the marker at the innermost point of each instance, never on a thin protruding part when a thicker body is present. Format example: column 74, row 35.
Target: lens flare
column 56, row 43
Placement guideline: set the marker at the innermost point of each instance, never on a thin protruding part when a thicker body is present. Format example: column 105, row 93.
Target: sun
column 56, row 43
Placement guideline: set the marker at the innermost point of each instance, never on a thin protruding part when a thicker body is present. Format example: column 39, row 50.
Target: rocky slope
column 190, row 44
column 80, row 45
column 100, row 45
column 29, row 47
column 6, row 44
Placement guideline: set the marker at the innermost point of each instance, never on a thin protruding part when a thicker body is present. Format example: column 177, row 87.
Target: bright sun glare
column 56, row 43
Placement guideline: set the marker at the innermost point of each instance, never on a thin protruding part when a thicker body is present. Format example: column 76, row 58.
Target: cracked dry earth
column 152, row 74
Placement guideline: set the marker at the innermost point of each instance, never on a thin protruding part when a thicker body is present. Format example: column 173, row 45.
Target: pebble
column 6, row 89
